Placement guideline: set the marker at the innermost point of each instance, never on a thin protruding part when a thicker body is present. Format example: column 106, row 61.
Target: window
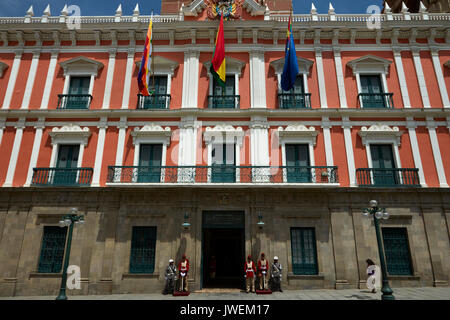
column 150, row 156
column 296, row 97
column 304, row 252
column 383, row 163
column 143, row 247
column 372, row 93
column 160, row 99
column 224, row 97
column 297, row 161
column 396, row 249
column 223, row 163
column 52, row 250
column 66, row 165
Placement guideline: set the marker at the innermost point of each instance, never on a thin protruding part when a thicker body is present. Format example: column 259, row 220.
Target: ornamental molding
column 447, row 64
column 380, row 133
column 161, row 65
column 233, row 66
column 72, row 134
column 3, row 67
column 304, row 65
column 197, row 6
column 369, row 64
column 223, row 132
column 151, row 133
column 297, row 133
column 81, row 66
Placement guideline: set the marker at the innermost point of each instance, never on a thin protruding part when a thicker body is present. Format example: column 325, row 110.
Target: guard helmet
column 275, row 258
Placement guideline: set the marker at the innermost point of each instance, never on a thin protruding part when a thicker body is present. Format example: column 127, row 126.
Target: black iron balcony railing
column 376, row 100
column 225, row 101
column 62, row 177
column 155, row 101
column 222, row 174
column 294, row 100
column 74, row 101
column 405, row 177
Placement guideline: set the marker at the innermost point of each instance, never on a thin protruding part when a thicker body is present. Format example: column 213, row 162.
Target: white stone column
column 411, row 125
column 440, row 77
column 12, row 79
column 401, row 77
column 340, row 77
column 102, row 126
column 14, row 153
column 49, row 79
column 190, row 79
column 349, row 151
column 35, row 152
column 326, row 126
column 420, row 77
column 188, row 142
column 2, row 127
column 431, row 125
column 121, row 141
column 257, row 80
column 128, row 78
column 259, row 141
column 321, row 78
column 30, row 81
column 109, row 78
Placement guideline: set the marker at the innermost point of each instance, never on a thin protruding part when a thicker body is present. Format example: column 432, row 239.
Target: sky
column 18, row 8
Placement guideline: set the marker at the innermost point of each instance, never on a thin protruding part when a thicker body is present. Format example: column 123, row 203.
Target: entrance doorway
column 223, row 241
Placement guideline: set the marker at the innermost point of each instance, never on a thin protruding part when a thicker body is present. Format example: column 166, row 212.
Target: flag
column 290, row 69
column 145, row 70
column 217, row 68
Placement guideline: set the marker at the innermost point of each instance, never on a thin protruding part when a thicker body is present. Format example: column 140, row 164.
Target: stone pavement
column 426, row 293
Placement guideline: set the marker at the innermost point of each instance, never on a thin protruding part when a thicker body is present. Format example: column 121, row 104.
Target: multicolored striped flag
column 145, row 69
column 290, row 69
column 217, row 68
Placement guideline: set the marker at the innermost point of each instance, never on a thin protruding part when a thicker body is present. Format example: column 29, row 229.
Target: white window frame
column 297, row 134
column 151, row 134
column 83, row 67
column 233, row 68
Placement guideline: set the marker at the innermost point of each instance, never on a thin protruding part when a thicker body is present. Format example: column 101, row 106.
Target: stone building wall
column 101, row 247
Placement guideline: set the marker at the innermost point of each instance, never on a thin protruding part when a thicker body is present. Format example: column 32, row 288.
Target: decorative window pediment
column 370, row 64
column 304, row 65
column 161, row 65
column 3, row 67
column 297, row 133
column 447, row 64
column 70, row 134
column 233, row 66
column 152, row 133
column 380, row 133
column 81, row 66
column 223, row 133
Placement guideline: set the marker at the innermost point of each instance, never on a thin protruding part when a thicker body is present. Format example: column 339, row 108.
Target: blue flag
column 290, row 69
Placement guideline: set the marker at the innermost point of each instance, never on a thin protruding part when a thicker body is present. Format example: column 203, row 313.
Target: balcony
column 74, row 101
column 376, row 100
column 294, row 100
column 223, row 174
column 155, row 101
column 224, row 102
column 388, row 178
column 62, row 177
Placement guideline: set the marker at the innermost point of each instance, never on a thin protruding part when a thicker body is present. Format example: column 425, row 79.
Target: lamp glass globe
column 378, row 214
column 385, row 215
column 373, row 203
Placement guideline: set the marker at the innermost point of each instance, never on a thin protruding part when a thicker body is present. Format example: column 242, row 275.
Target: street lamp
column 68, row 221
column 260, row 222
column 380, row 213
column 186, row 223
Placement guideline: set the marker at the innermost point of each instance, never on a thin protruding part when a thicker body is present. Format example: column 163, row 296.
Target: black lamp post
column 380, row 213
column 68, row 221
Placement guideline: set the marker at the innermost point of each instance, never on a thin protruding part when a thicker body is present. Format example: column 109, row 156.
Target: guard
column 250, row 271
column 170, row 275
column 183, row 268
column 263, row 268
column 275, row 273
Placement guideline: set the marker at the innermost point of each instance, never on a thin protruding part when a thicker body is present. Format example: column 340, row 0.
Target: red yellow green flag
column 217, row 68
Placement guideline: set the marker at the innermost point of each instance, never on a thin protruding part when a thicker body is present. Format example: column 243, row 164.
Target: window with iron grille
column 396, row 249
column 143, row 245
column 304, row 252
column 52, row 250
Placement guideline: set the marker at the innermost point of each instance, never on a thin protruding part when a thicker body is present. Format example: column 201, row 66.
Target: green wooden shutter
column 67, row 162
column 143, row 247
column 150, row 159
column 159, row 85
column 304, row 251
column 224, row 97
column 372, row 91
column 224, row 163
column 396, row 249
column 52, row 250
column 297, row 157
column 78, row 86
column 382, row 162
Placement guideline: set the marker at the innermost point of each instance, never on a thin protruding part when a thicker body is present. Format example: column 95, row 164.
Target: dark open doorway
column 223, row 238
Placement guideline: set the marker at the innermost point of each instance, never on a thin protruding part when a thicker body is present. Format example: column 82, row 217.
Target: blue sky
column 17, row 8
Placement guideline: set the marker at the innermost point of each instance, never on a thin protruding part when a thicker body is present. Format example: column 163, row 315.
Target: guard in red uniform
column 183, row 268
column 263, row 268
column 250, row 270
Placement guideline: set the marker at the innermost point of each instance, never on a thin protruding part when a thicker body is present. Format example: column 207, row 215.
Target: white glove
column 183, row 274
column 264, row 272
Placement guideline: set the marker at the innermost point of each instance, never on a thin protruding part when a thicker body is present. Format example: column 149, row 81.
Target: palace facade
column 228, row 171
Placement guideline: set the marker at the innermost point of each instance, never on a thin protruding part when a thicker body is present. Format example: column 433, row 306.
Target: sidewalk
column 428, row 293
